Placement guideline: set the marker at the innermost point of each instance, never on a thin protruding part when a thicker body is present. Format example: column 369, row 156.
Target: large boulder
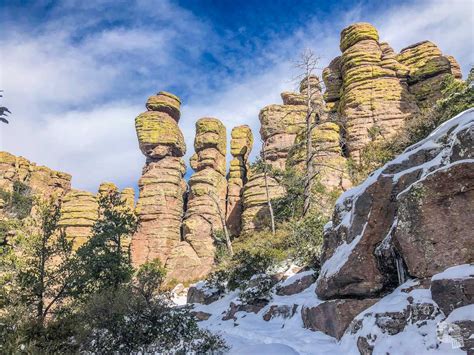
column 429, row 211
column 366, row 246
column 428, row 68
column 404, row 321
column 453, row 288
column 333, row 317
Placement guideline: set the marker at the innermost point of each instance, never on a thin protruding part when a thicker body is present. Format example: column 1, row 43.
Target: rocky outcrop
column 428, row 68
column 374, row 90
column 256, row 215
column 333, row 317
column 79, row 212
column 453, row 288
column 367, row 87
column 106, row 188
column 42, row 181
column 128, row 197
column 431, row 209
column 240, row 148
column 280, row 125
column 387, row 228
column 206, row 205
column 160, row 205
column 406, row 310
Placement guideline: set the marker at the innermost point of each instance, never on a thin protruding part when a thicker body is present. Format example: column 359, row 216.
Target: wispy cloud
column 76, row 80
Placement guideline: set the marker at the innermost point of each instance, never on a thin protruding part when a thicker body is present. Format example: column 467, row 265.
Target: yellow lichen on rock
column 159, row 135
column 165, row 102
column 240, row 148
column 79, row 212
column 357, row 32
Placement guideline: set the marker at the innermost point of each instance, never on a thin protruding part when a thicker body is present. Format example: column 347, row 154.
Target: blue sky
column 77, row 73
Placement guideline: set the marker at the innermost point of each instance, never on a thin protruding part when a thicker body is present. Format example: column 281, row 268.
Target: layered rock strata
column 79, row 212
column 428, row 68
column 206, row 205
column 374, row 90
column 240, row 147
column 160, row 205
column 280, row 125
column 42, row 181
column 374, row 100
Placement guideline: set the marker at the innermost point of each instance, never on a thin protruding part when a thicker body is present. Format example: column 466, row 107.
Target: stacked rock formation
column 128, row 196
column 240, row 148
column 280, row 125
column 162, row 187
column 43, row 181
column 206, row 206
column 372, row 94
column 374, row 90
column 79, row 211
column 428, row 68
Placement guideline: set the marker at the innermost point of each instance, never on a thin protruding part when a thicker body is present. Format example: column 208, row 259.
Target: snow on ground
column 456, row 272
column 250, row 334
column 418, row 338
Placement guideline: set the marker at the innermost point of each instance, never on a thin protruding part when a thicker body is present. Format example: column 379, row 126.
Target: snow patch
column 456, row 272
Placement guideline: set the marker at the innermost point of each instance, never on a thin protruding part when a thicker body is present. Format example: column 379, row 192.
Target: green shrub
column 18, row 203
column 138, row 318
column 305, row 240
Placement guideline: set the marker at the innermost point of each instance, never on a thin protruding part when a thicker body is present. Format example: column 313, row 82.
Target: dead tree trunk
column 224, row 224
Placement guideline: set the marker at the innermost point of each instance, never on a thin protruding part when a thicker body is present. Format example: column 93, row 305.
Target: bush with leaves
column 139, row 318
column 18, row 202
column 37, row 280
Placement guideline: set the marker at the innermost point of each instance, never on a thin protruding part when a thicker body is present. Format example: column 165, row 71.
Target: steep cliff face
column 240, row 148
column 160, row 205
column 395, row 224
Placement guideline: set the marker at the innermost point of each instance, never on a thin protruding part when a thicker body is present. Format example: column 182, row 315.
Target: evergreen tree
column 104, row 260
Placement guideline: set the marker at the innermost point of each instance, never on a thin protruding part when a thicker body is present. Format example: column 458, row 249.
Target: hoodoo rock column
column 162, row 187
column 240, row 148
column 207, row 191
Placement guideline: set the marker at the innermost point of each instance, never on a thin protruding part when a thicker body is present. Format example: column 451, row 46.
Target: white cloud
column 74, row 100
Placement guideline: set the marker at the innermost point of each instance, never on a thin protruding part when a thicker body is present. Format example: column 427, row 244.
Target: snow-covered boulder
column 412, row 217
column 453, row 288
column 403, row 322
column 334, row 316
